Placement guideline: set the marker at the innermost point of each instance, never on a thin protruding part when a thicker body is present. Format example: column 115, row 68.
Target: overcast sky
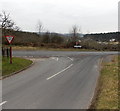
column 92, row 16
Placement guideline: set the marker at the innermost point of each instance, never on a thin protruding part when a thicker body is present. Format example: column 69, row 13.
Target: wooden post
column 10, row 55
column 7, row 52
column 3, row 52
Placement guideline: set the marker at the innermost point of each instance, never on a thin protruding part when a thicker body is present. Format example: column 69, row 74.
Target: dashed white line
column 70, row 58
column 59, row 72
column 3, row 103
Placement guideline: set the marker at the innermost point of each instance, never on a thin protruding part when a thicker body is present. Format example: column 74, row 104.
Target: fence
column 5, row 52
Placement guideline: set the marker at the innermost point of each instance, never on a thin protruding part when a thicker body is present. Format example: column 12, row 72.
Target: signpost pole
column 10, row 54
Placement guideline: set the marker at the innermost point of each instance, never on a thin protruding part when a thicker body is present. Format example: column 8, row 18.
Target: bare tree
column 7, row 23
column 40, row 27
column 75, row 31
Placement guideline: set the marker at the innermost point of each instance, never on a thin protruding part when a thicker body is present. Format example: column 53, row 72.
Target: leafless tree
column 7, row 23
column 75, row 31
column 40, row 27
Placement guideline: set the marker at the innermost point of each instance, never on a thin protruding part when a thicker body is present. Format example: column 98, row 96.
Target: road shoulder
column 106, row 94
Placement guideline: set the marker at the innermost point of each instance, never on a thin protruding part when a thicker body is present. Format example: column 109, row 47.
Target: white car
column 77, row 46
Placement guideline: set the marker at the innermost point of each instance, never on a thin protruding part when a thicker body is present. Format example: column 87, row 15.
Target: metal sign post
column 10, row 39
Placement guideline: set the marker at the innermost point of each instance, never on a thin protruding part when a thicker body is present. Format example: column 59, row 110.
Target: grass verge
column 18, row 64
column 49, row 49
column 108, row 94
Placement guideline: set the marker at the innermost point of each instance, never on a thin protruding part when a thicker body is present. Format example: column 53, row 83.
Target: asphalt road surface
column 62, row 80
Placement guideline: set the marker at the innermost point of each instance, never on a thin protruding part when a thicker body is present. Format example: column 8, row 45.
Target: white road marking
column 3, row 103
column 59, row 72
column 55, row 58
column 70, row 58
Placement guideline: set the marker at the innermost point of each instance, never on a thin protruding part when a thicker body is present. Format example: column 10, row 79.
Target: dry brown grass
column 108, row 95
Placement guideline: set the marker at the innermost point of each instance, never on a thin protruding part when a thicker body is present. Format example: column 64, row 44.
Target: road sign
column 9, row 39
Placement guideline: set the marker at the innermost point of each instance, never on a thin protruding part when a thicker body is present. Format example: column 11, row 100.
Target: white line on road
column 70, row 58
column 55, row 58
column 3, row 103
column 59, row 72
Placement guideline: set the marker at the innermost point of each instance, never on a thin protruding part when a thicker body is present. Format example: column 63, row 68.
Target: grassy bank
column 18, row 64
column 107, row 97
column 0, row 66
column 50, row 49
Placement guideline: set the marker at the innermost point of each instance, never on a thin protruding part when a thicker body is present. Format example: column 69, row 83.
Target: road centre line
column 3, row 103
column 70, row 58
column 59, row 72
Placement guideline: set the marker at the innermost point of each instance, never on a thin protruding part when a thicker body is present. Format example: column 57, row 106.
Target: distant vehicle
column 77, row 46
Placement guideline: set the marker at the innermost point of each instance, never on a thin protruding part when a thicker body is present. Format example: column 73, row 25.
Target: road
column 63, row 80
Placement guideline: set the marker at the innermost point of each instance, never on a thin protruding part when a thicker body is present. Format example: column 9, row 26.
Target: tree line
column 103, row 37
column 34, row 39
column 55, row 40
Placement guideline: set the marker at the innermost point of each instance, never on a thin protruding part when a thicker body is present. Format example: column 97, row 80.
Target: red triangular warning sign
column 9, row 39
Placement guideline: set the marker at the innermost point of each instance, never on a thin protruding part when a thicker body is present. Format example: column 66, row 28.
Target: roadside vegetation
column 108, row 90
column 43, row 38
column 18, row 64
column 57, row 41
column 0, row 64
column 48, row 48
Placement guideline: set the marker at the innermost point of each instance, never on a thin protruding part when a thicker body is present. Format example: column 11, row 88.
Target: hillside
column 103, row 37
column 54, row 40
